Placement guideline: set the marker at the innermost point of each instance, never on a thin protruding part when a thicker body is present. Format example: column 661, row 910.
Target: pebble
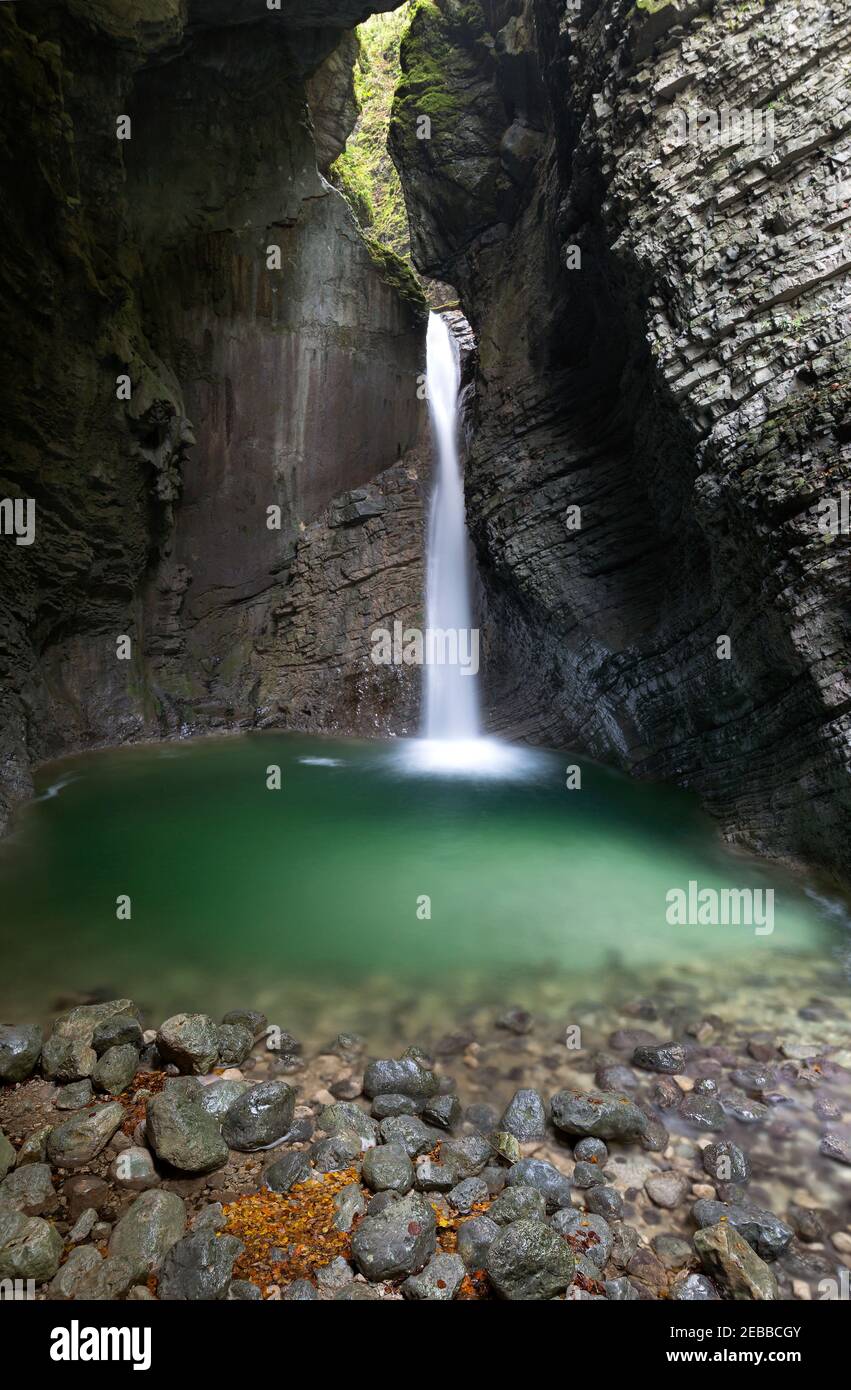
column 388, row 1167
column 528, row 1261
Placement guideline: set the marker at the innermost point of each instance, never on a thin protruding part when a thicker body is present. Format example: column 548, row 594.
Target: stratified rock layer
column 273, row 358
column 662, row 331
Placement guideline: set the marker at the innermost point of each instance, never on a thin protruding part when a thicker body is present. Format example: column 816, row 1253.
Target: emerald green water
column 240, row 894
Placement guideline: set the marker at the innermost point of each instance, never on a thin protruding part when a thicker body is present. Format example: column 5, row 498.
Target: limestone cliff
column 272, row 357
column 663, row 343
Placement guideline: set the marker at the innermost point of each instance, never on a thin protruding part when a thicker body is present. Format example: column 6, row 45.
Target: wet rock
column 66, row 1282
column 388, row 1167
column 301, row 1291
column 147, row 1231
column 836, row 1146
column 586, row 1175
column 628, row 1039
column 183, row 1135
column 210, row 1218
column 400, row 1076
column 115, row 1069
column 465, row 1157
column 598, row 1114
column 75, row 1096
column 605, row 1201
column 30, row 1248
column 672, row 1251
column 529, row 1261
column 705, row 1086
column 440, row 1280
column 337, row 1153
column 347, row 1118
column 625, row 1242
column 111, row 1279
column 614, row 1076
column 235, row 1043
column 474, row 1240
column 67, row 1059
column 119, row 1030
column 525, row 1116
column 587, row 1234
column 190, row 1041
column 806, row 1222
column 647, row 1272
column 703, row 1112
column 29, row 1189
column 218, row 1097
column 84, row 1191
column 666, row 1093
column 81, row 1137
column 398, row 1240
column 591, row 1151
column 286, row 1172
column 726, row 1162
column 667, row 1190
column 259, row 1117
column 81, row 1022
column 386, row 1106
column 349, row 1204
column 255, row 1022
column 199, row 1267
column 669, row 1058
column 243, row 1291
column 748, row 1112
column 693, row 1288
column 655, row 1138
column 357, row 1293
column 537, row 1172
column 754, row 1080
column 731, row 1263
column 20, row 1049
column 517, row 1204
column 443, row 1111
column 515, row 1020
column 621, row 1290
column 467, row 1193
column 482, row 1117
column 34, row 1147
column 765, row 1232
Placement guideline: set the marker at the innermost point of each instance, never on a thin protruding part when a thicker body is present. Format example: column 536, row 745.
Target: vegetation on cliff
column 364, row 171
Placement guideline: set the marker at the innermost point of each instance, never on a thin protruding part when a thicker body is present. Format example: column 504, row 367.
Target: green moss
column 364, row 172
column 396, row 271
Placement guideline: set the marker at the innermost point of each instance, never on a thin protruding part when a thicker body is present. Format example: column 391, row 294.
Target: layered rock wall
column 663, row 343
column 273, row 358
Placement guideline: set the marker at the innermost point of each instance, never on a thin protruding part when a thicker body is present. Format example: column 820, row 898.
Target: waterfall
column 451, row 696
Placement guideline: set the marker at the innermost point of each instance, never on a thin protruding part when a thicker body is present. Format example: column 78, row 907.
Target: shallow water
column 315, row 894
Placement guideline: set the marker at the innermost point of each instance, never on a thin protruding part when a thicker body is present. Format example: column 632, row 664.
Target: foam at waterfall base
column 468, row 757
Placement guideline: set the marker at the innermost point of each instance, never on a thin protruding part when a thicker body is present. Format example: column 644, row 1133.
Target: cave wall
column 252, row 387
column 685, row 384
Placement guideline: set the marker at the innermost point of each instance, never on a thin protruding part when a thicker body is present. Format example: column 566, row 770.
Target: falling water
column 451, row 700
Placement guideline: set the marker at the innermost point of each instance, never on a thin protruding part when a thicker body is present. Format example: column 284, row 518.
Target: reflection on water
column 367, row 864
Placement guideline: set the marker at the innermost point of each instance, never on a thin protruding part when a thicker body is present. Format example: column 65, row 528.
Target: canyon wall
column 663, row 327
column 255, row 506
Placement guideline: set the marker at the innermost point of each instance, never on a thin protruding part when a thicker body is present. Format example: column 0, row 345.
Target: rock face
column 215, row 513
column 662, row 322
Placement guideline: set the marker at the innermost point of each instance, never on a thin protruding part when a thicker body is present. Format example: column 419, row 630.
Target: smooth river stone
column 81, row 1137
